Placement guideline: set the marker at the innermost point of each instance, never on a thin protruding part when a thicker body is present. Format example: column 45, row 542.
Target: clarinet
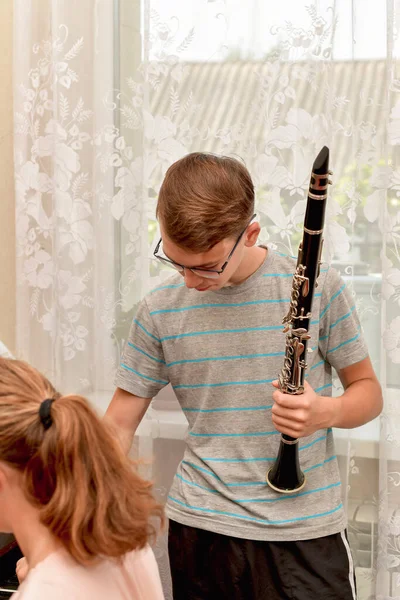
column 286, row 476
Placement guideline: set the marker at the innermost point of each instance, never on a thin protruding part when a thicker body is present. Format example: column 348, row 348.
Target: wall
column 7, row 236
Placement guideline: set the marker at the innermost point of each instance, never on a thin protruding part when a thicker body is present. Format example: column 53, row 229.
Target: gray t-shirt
column 221, row 351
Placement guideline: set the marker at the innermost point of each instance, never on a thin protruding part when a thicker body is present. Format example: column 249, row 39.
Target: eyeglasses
column 207, row 273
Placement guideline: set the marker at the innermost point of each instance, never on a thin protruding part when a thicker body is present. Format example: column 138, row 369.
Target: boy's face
column 211, row 259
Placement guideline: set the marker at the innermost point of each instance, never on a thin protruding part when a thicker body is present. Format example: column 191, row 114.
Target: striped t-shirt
column 221, row 351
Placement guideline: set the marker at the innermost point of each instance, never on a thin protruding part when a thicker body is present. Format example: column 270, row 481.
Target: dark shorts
column 207, row 565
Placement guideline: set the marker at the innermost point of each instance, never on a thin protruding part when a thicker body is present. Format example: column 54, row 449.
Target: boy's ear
column 252, row 234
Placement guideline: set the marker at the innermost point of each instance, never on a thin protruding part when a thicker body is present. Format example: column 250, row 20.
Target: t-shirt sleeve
column 142, row 370
column 341, row 340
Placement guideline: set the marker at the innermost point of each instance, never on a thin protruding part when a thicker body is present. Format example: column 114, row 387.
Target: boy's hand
column 301, row 415
column 22, row 569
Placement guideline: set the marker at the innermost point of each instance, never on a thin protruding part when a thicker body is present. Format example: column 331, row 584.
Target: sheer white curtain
column 108, row 93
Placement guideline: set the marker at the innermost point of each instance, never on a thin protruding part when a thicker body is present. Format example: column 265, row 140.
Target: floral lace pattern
column 96, row 127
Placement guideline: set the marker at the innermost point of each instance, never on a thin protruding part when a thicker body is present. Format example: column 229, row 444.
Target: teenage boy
column 213, row 331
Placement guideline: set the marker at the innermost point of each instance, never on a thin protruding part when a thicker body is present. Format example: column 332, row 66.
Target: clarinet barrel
column 286, row 476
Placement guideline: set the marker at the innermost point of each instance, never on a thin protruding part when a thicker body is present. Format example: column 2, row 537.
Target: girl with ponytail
column 82, row 516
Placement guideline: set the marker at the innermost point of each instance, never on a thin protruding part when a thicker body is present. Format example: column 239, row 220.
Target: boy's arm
column 362, row 399
column 302, row 415
column 142, row 373
column 125, row 413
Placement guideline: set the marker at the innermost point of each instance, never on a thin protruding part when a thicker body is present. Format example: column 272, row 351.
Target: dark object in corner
column 9, row 555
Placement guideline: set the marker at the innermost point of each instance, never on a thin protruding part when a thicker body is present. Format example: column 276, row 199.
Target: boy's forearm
column 125, row 437
column 359, row 404
column 125, row 412
column 124, row 434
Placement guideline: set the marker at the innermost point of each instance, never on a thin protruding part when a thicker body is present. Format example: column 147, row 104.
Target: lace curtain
column 108, row 93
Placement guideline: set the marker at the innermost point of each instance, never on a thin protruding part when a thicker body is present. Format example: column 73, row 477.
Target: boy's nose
column 191, row 279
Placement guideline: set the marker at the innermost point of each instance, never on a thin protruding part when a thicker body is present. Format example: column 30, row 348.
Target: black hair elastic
column 45, row 413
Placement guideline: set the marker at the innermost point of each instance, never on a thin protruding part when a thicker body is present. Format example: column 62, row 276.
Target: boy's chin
column 203, row 288
column 212, row 286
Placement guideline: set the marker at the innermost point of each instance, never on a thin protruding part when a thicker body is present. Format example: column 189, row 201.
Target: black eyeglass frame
column 194, row 269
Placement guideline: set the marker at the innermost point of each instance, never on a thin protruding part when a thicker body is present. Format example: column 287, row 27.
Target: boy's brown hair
column 204, row 199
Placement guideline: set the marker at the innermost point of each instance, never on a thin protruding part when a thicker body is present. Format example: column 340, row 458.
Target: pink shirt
column 59, row 577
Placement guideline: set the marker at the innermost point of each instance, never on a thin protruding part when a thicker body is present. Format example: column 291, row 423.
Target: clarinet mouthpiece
column 321, row 163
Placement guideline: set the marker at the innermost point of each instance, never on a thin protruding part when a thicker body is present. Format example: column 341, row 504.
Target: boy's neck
column 251, row 262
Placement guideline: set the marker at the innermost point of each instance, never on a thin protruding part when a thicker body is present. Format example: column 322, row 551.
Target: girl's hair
column 204, row 199
column 75, row 472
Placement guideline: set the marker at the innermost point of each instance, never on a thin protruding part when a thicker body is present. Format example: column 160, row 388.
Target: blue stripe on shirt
column 335, row 295
column 225, row 305
column 318, row 364
column 288, row 274
column 284, row 255
column 145, row 330
column 167, row 287
column 245, row 484
column 216, row 358
column 220, row 305
column 190, row 464
column 246, row 460
column 251, row 434
column 192, row 483
column 278, row 275
column 232, row 484
column 246, row 518
column 288, row 497
column 226, row 409
column 142, row 375
column 346, row 316
column 237, row 460
column 221, row 331
column 319, row 464
column 225, row 331
column 241, row 460
column 323, row 387
column 145, row 353
column 353, row 339
column 320, row 439
column 212, row 490
column 221, row 384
